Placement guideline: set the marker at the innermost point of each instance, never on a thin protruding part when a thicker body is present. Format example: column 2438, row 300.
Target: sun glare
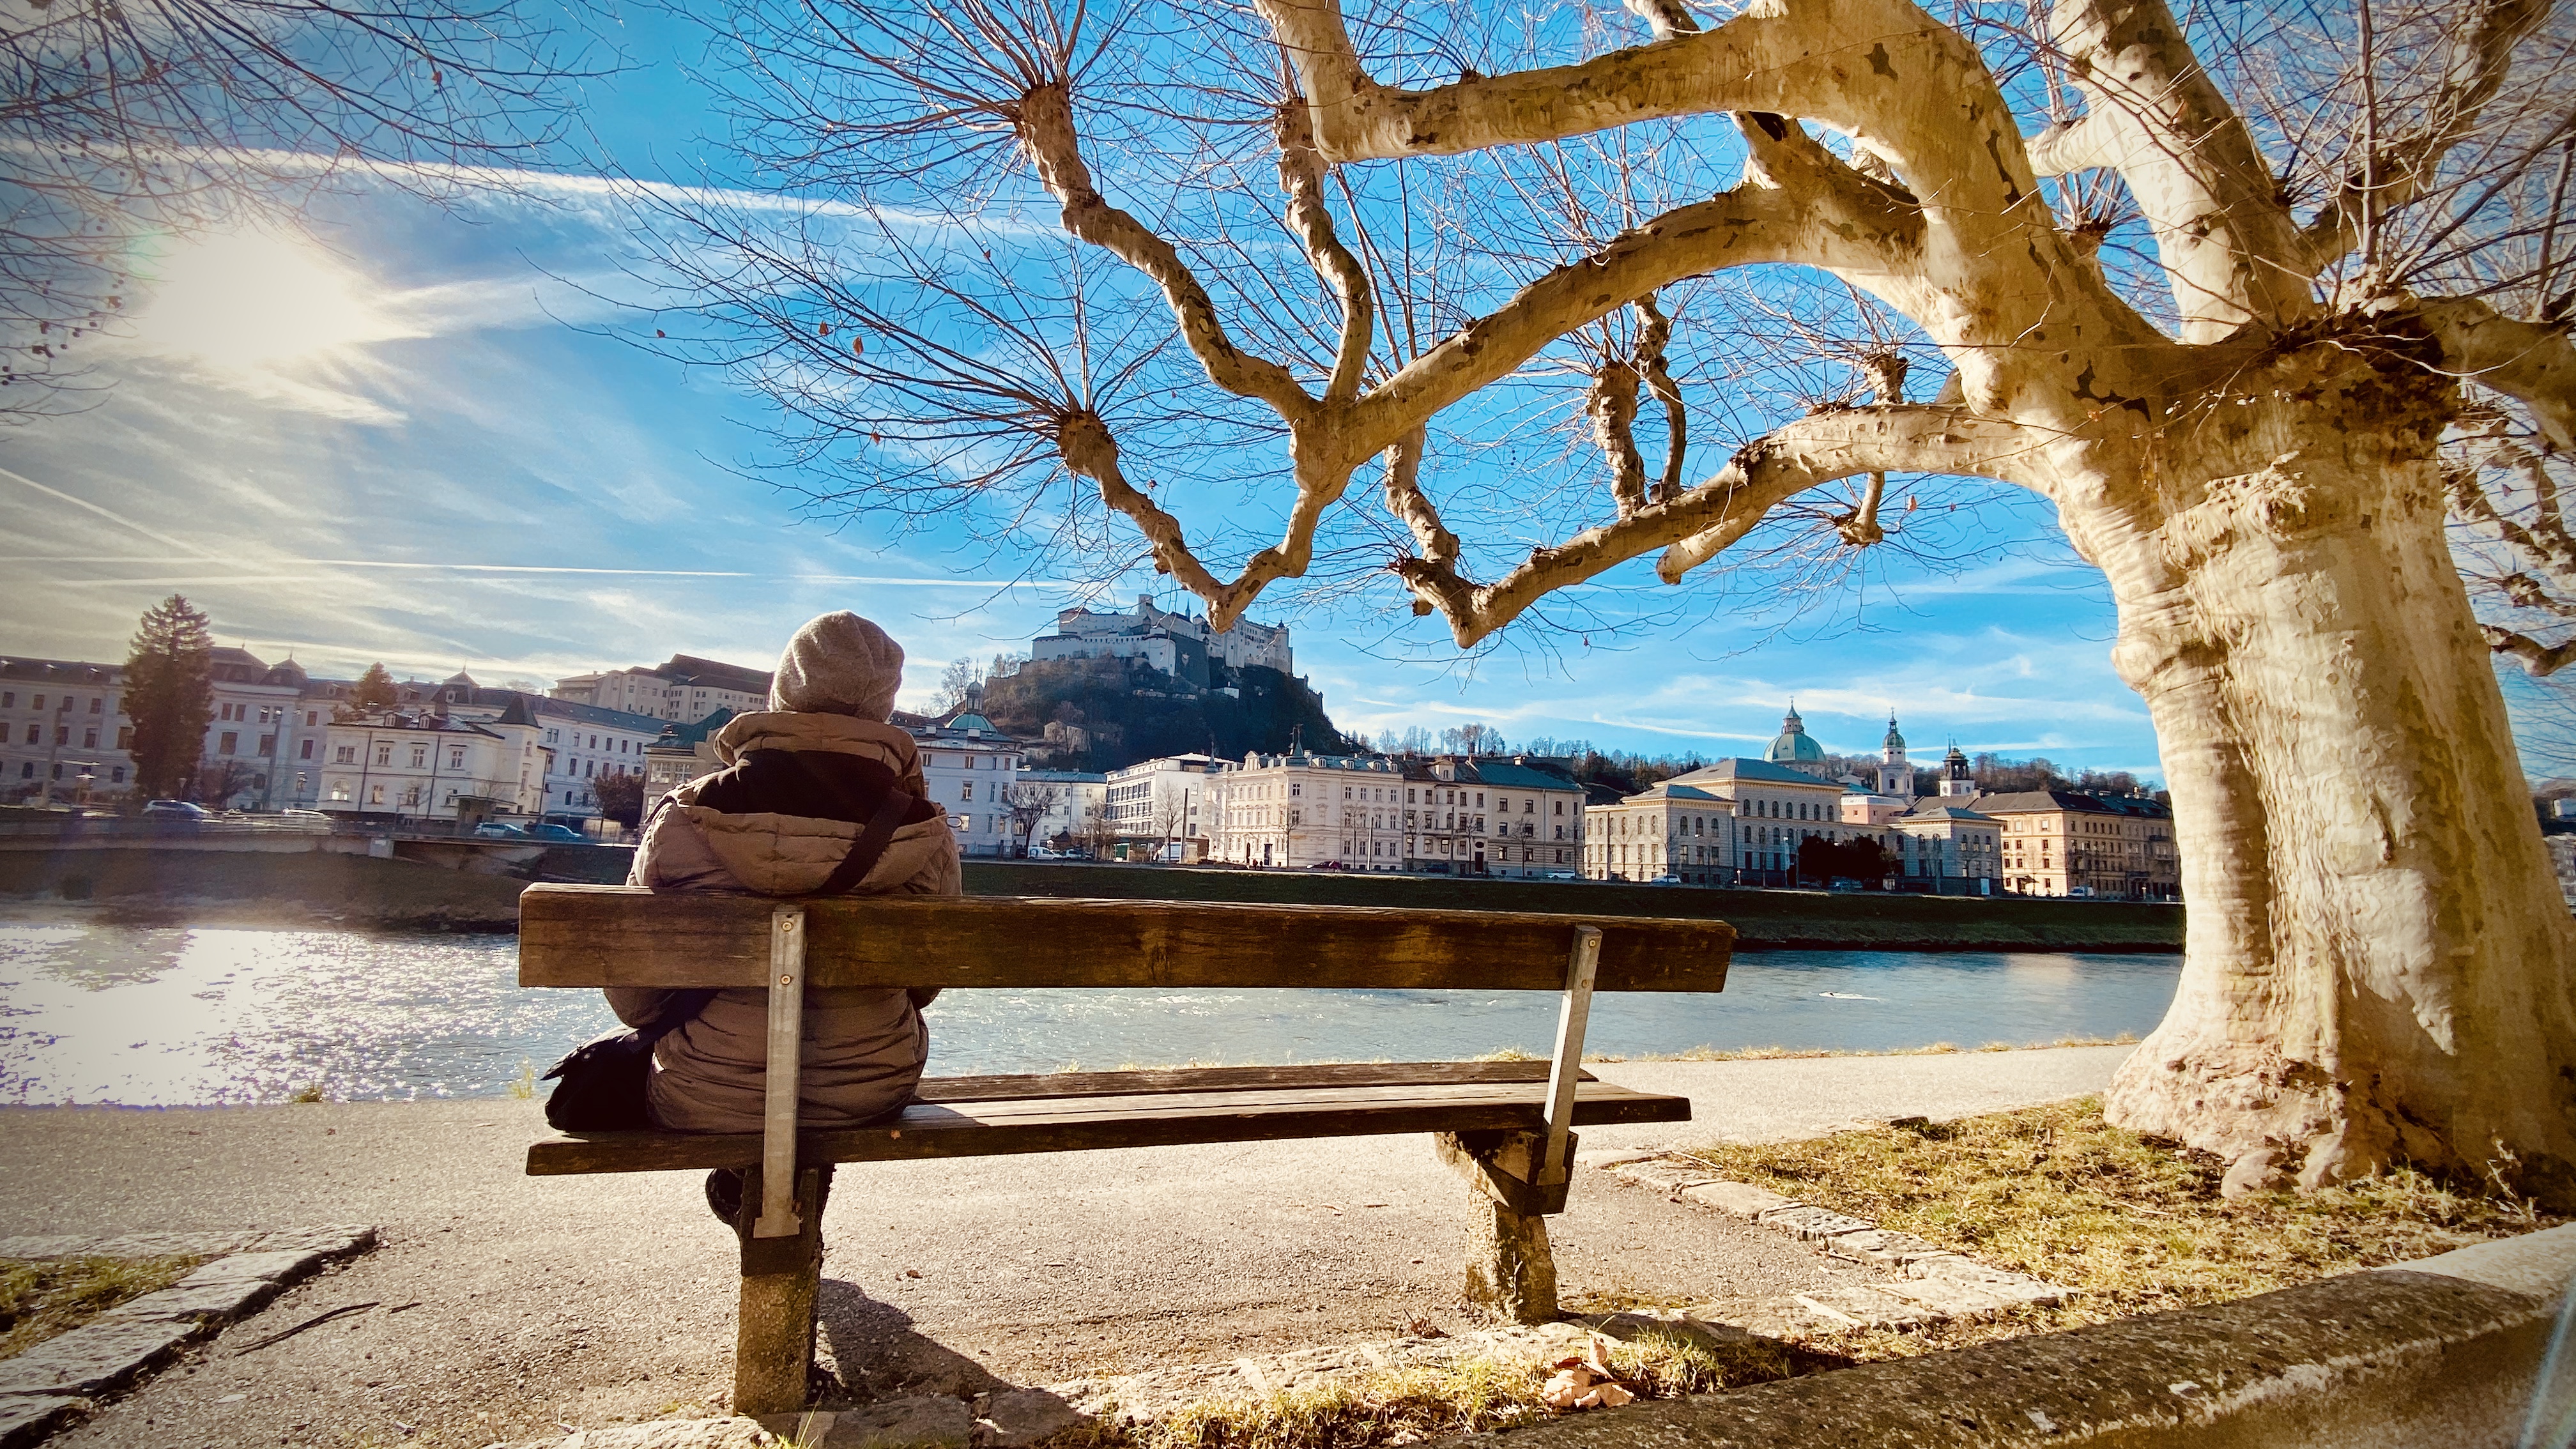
column 248, row 301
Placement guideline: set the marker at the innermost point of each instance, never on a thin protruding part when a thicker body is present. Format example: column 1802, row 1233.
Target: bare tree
column 123, row 118
column 2219, row 314
column 1029, row 804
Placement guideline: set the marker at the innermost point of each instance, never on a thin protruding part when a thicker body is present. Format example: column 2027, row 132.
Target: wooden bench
column 1507, row 1127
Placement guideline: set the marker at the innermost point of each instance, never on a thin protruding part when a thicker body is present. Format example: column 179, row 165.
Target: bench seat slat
column 1220, row 1079
column 997, row 1127
column 625, row 936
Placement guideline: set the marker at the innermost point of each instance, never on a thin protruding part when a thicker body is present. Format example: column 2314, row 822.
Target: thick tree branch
column 1612, row 405
column 2532, row 362
column 1406, row 500
column 2401, row 168
column 1880, row 70
column 1044, row 120
column 2538, row 660
column 1654, row 335
column 2154, row 115
column 1301, row 175
column 1694, row 526
column 1091, row 451
column 1840, row 221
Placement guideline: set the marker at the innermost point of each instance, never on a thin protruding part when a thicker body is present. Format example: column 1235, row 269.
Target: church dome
column 1894, row 740
column 1794, row 746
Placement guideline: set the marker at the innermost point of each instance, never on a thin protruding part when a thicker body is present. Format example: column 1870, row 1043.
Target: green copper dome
column 1794, row 746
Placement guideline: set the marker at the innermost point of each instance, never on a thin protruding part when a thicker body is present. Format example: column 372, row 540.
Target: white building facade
column 1168, row 799
column 1668, row 829
column 1450, row 815
column 1076, row 802
column 393, row 764
column 684, row 689
column 969, row 767
column 1164, row 639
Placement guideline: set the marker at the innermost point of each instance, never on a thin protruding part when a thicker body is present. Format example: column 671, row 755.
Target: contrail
column 194, row 553
column 480, row 568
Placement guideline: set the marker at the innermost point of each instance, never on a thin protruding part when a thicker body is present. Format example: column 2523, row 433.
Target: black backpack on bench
column 600, row 1085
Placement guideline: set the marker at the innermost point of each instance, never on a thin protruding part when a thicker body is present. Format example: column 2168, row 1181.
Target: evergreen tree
column 169, row 694
column 374, row 690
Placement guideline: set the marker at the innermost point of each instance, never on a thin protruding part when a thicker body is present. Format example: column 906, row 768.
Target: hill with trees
column 1104, row 714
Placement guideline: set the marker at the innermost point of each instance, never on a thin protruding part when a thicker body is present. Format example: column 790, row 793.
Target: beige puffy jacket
column 864, row 1046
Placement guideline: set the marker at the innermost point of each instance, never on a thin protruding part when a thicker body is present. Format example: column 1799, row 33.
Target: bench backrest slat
column 624, row 936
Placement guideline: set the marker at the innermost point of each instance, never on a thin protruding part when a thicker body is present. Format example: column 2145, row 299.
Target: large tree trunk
column 2378, row 959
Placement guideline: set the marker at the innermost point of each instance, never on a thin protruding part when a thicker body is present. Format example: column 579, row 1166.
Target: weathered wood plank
column 1225, row 1079
column 996, row 1128
column 573, row 935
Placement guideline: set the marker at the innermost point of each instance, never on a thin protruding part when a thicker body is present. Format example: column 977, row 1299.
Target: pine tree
column 374, row 690
column 169, row 694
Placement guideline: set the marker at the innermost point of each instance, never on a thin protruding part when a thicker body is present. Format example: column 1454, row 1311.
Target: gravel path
column 587, row 1300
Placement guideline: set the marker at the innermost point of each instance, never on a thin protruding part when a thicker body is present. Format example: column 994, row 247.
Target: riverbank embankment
column 168, row 887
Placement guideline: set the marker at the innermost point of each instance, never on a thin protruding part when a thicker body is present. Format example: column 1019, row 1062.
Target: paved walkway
column 587, row 1300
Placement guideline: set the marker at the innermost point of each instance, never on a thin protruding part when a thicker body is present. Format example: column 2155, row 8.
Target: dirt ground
column 506, row 1306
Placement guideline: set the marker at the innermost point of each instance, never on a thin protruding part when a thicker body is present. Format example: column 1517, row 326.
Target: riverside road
column 508, row 1305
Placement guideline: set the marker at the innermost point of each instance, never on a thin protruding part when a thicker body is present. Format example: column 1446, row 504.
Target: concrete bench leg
column 774, row 1326
column 1509, row 1267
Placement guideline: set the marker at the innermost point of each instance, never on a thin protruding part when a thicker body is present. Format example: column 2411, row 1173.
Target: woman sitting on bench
column 820, row 796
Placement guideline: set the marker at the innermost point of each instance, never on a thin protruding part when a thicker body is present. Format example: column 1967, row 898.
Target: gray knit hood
column 839, row 663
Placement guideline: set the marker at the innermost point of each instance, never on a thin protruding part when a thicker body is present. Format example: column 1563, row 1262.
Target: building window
column 384, row 754
column 94, row 705
column 307, row 751
column 312, row 717
column 227, row 744
column 89, row 739
column 456, row 757
column 267, row 744
column 116, row 776
column 8, row 700
column 376, row 795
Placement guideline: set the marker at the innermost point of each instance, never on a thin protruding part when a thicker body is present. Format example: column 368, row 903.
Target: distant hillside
column 1102, row 714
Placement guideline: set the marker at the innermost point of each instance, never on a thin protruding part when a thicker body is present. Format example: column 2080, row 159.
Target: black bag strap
column 870, row 846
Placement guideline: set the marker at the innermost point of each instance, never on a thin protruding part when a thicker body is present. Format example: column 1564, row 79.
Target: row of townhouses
column 279, row 738
column 1735, row 822
column 1745, row 822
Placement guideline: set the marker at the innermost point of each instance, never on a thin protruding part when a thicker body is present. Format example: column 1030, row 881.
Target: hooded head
column 839, row 664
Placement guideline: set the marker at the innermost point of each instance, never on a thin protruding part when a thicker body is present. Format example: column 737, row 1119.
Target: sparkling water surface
column 167, row 1016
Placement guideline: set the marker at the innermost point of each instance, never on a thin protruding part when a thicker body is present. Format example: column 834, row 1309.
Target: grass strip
column 42, row 1299
column 1430, row 1401
column 2134, row 1223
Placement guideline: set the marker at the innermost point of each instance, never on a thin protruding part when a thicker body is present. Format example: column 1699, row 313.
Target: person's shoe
column 724, row 1195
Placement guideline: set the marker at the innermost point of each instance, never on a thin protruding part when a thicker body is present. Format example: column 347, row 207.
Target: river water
column 166, row 1016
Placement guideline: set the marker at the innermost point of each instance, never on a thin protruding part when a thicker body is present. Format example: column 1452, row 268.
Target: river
column 170, row 1016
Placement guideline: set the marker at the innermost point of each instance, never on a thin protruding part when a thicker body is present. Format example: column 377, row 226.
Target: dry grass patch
column 39, row 1300
column 1433, row 1401
column 2134, row 1223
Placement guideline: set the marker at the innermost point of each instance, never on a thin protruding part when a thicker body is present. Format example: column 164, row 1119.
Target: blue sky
column 414, row 442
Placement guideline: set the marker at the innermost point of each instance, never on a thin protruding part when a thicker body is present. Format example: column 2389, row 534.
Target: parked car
column 1040, row 852
column 1665, row 880
column 175, row 810
column 1563, row 875
column 561, row 835
column 498, row 830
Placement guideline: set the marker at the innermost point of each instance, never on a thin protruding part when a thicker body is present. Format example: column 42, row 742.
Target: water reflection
column 170, row 1015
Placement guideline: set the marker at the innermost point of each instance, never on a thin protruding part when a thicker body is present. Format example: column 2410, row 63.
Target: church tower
column 1955, row 784
column 1895, row 776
